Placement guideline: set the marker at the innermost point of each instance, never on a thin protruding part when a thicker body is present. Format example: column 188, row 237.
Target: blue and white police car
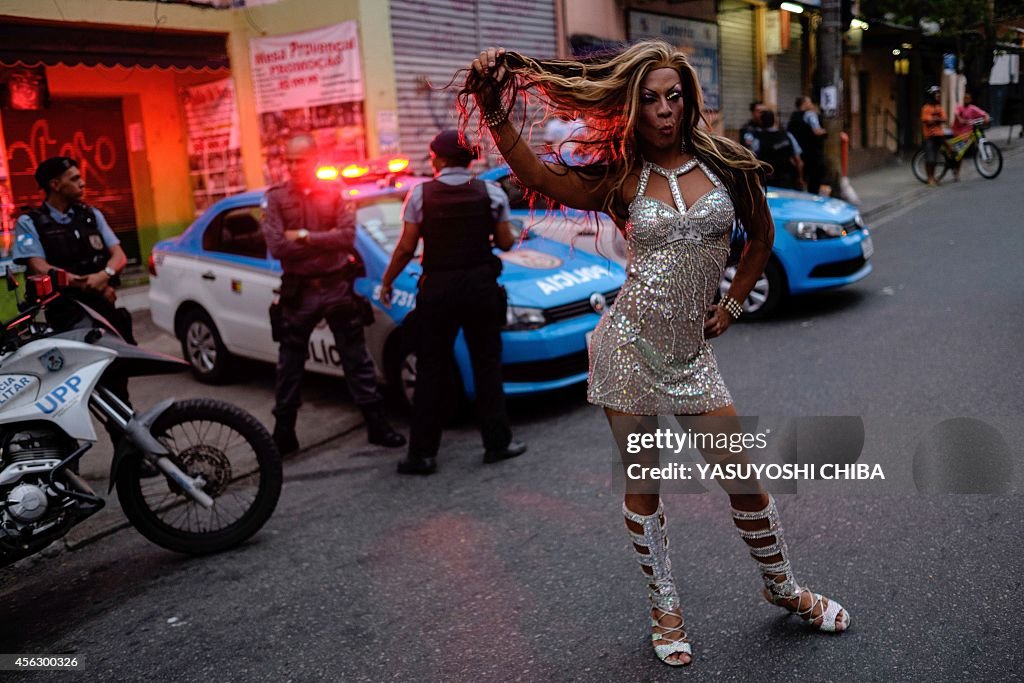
column 212, row 286
column 820, row 243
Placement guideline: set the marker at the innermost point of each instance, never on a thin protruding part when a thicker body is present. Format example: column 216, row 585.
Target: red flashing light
column 397, row 165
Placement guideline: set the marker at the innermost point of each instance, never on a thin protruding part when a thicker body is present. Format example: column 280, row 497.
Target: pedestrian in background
column 781, row 151
column 805, row 126
column 458, row 218
column 963, row 123
column 560, row 135
column 748, row 133
column 649, row 355
column 311, row 229
column 933, row 127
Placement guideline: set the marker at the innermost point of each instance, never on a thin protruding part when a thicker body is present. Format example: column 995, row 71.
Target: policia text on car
column 456, row 216
column 311, row 229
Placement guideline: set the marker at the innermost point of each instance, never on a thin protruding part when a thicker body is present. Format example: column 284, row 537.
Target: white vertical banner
column 310, row 82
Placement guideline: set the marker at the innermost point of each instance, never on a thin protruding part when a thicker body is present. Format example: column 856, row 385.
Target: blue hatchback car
column 820, row 243
column 212, row 286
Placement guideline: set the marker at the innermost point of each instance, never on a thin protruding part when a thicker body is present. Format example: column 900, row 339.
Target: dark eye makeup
column 672, row 95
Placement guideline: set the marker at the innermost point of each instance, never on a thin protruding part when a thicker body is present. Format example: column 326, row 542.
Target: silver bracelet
column 495, row 117
column 731, row 306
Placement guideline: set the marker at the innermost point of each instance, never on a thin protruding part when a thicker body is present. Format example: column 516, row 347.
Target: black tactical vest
column 775, row 148
column 804, row 134
column 457, row 226
column 76, row 247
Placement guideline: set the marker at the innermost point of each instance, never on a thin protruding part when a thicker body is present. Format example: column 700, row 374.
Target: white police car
column 212, row 285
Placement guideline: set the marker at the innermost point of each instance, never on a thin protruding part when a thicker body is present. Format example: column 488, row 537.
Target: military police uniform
column 457, row 215
column 319, row 273
column 777, row 148
column 79, row 242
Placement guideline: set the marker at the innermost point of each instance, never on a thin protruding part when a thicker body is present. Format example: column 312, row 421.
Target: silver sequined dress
column 648, row 355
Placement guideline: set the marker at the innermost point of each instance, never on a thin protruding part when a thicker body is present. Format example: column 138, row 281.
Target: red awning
column 32, row 44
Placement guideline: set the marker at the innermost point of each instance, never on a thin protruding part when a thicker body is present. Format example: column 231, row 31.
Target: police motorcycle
column 194, row 476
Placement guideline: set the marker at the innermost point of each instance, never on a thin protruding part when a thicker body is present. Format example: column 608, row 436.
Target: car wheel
column 203, row 348
column 400, row 372
column 768, row 291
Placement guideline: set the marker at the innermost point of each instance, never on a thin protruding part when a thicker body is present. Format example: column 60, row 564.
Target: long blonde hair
column 606, row 91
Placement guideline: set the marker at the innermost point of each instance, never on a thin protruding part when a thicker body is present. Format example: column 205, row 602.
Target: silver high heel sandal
column 661, row 587
column 778, row 576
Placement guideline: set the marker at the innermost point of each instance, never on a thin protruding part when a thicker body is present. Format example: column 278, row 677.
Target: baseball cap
column 446, row 144
column 53, row 167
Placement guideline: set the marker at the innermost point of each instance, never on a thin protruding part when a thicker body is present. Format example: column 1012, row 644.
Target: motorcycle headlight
column 522, row 318
column 813, row 230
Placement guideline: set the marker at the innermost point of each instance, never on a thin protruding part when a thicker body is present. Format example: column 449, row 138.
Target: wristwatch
column 303, row 234
column 109, row 271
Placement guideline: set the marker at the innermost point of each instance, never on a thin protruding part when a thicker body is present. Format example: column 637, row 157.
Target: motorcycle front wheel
column 237, row 459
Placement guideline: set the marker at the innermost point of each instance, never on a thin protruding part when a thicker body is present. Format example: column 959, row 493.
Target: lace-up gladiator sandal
column 651, row 548
column 768, row 548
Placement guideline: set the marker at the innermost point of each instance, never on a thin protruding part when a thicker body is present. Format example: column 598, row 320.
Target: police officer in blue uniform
column 457, row 217
column 67, row 234
column 311, row 229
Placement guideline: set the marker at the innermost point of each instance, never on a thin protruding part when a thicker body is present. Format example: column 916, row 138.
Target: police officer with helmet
column 67, row 234
column 456, row 216
column 311, row 229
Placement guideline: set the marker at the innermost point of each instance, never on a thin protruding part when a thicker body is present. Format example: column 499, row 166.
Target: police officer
column 456, row 216
column 311, row 229
column 67, row 234
column 781, row 150
column 805, row 126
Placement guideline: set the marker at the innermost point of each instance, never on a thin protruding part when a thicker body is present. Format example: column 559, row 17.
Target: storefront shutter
column 788, row 71
column 90, row 131
column 433, row 39
column 736, row 28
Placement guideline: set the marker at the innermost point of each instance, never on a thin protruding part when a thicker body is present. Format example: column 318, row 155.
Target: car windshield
column 382, row 220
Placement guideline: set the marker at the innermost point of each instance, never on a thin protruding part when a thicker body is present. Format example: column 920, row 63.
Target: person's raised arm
column 563, row 185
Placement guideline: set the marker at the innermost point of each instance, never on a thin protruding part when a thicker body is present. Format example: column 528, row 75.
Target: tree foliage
column 972, row 24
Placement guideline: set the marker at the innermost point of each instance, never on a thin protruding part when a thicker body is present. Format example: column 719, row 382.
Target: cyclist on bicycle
column 933, row 124
column 963, row 123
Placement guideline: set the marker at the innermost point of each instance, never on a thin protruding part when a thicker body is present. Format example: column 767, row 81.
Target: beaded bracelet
column 731, row 306
column 495, row 117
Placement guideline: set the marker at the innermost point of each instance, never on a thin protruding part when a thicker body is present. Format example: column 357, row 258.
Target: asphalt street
column 522, row 571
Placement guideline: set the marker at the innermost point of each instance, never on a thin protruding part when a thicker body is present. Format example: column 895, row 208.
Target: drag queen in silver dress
column 674, row 190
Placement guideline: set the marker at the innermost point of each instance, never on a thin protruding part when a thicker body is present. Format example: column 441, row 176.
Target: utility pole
column 830, row 64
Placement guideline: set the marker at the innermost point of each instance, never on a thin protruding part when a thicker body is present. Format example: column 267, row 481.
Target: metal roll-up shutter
column 433, row 39
column 788, row 72
column 736, row 31
column 91, row 131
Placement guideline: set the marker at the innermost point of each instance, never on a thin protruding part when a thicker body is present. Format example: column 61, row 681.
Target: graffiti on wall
column 91, row 131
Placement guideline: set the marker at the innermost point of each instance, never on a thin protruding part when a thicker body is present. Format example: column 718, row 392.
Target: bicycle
column 988, row 159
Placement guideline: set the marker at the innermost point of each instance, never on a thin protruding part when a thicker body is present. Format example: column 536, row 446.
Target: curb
column 876, row 212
